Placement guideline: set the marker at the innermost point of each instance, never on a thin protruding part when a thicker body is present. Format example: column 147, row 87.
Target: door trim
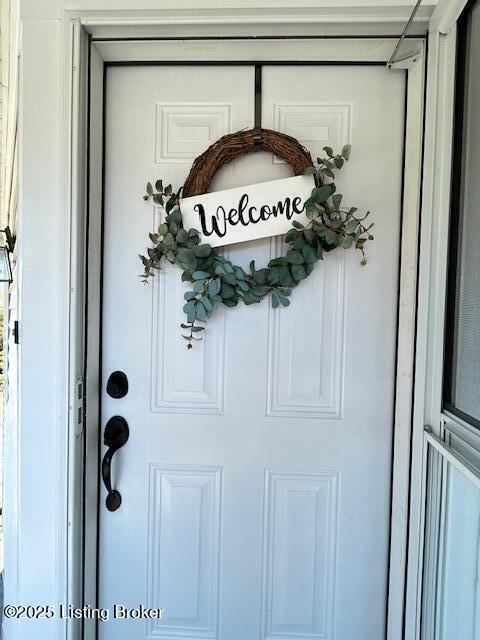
column 353, row 51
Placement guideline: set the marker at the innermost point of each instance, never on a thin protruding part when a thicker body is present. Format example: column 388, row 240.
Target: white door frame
column 363, row 51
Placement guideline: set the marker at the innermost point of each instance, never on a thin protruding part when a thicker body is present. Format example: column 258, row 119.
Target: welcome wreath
column 216, row 280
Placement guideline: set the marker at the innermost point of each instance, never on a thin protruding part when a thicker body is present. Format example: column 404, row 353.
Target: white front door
column 256, row 480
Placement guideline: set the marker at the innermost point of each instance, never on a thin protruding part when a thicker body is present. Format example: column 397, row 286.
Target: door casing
column 103, row 52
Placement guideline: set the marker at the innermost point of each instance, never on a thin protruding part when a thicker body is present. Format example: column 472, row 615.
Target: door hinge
column 15, row 331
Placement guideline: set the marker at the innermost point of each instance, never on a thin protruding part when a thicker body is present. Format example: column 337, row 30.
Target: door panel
column 256, row 480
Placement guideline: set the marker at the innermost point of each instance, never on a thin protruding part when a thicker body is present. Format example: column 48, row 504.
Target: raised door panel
column 299, row 555
column 183, row 553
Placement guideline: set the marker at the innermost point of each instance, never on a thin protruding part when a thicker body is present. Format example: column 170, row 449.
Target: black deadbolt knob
column 117, row 385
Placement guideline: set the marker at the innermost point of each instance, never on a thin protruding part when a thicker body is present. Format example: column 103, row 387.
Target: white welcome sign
column 247, row 213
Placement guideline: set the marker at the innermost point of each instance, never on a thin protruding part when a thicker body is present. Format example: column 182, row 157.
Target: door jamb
column 403, row 436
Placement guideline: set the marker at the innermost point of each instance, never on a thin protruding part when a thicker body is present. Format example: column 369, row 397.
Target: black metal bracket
column 257, row 139
column 9, row 238
column 257, row 135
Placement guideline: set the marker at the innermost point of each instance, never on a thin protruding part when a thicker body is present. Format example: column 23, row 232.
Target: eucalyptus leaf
column 350, row 226
column 283, row 300
column 298, row 272
column 175, row 218
column 291, row 235
column 275, row 262
column 227, row 291
column 207, row 304
column 243, row 285
column 309, row 253
column 250, row 298
column 286, row 279
column 321, row 194
column 214, row 286
column 198, row 285
column 182, row 236
column 200, row 311
column 200, row 275
column 239, row 273
column 295, row 257
column 330, row 236
column 299, row 242
column 337, row 200
column 229, row 278
column 259, row 291
column 311, row 211
column 230, row 302
column 189, row 310
column 203, row 250
column 171, row 202
column 260, row 276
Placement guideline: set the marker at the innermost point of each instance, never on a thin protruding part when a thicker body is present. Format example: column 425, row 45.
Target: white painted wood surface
column 351, row 50
column 404, row 437
column 431, row 299
column 256, row 481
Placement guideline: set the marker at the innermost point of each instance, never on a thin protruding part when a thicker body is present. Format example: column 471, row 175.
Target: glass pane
column 451, row 587
column 458, row 578
column 463, row 346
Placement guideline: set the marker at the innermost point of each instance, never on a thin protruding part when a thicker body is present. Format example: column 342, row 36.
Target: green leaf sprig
column 216, row 280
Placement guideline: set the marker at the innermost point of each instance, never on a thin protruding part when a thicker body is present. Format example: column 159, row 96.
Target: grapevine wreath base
column 215, row 280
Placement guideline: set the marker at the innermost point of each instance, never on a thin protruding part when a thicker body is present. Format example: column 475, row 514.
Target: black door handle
column 115, row 436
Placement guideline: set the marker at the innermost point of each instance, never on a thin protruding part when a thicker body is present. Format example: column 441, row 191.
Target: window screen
column 462, row 375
